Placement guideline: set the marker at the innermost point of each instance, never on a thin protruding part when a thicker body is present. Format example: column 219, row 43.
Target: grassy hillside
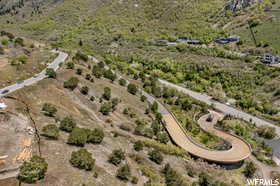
column 101, row 22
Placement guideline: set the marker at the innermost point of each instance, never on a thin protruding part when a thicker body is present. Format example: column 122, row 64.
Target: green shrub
column 138, row 145
column 107, row 93
column 96, row 136
column 50, row 73
column 51, row 131
column 72, row 83
column 67, row 124
column 82, row 159
column 249, row 170
column 84, row 90
column 33, row 170
column 106, row 108
column 124, row 173
column 70, row 65
column 78, row 136
column 19, row 41
column 155, row 156
column 132, row 89
column 116, row 157
column 49, row 109
column 266, row 132
column 122, row 82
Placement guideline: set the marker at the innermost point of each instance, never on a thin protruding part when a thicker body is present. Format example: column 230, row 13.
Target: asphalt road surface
column 38, row 77
column 224, row 108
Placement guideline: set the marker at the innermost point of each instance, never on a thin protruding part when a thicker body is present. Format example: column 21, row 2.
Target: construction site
column 16, row 137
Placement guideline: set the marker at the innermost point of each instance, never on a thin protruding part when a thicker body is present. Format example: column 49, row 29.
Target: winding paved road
column 38, row 77
column 239, row 151
column 226, row 109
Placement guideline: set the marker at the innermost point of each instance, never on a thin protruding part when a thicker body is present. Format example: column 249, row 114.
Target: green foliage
column 19, row 41
column 109, row 74
column 122, row 82
column 72, row 83
column 81, row 56
column 95, row 136
column 107, row 93
column 163, row 137
column 116, row 157
column 155, row 156
column 79, row 71
column 49, row 109
column 138, row 145
column 154, row 107
column 50, row 73
column 78, row 136
column 143, row 98
column 33, row 170
column 84, row 90
column 266, row 132
column 106, row 108
column 82, row 159
column 132, row 89
column 250, row 169
column 124, row 173
column 67, row 124
column 70, row 65
column 172, row 178
column 2, row 52
column 51, row 131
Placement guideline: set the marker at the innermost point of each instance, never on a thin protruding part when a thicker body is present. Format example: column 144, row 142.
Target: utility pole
column 252, row 33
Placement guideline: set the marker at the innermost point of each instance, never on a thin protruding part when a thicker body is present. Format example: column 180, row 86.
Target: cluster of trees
column 82, row 159
column 81, row 136
column 111, row 104
column 33, row 170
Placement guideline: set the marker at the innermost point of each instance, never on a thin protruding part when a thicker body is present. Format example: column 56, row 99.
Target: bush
column 110, row 75
column 143, row 98
column 78, row 136
column 79, row 71
column 72, row 83
column 172, row 178
column 22, row 59
column 88, row 77
column 122, row 82
column 33, row 170
column 116, row 157
column 51, row 131
column 96, row 136
column 124, row 173
column 80, row 56
column 154, row 107
column 2, row 52
column 162, row 137
column 50, row 73
column 82, row 159
column 49, row 109
column 155, row 156
column 84, row 90
column 67, row 124
column 138, row 145
column 132, row 89
column 70, row 65
column 107, row 93
column 19, row 41
column 106, row 108
column 134, row 180
column 249, row 170
column 266, row 132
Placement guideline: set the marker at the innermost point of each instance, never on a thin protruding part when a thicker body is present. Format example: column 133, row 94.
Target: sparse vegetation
column 82, row 159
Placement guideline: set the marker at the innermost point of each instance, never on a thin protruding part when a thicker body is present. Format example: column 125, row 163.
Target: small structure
column 229, row 39
column 210, row 118
column 270, row 58
column 2, row 104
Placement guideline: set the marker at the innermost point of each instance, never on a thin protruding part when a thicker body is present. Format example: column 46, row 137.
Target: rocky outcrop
column 240, row 4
